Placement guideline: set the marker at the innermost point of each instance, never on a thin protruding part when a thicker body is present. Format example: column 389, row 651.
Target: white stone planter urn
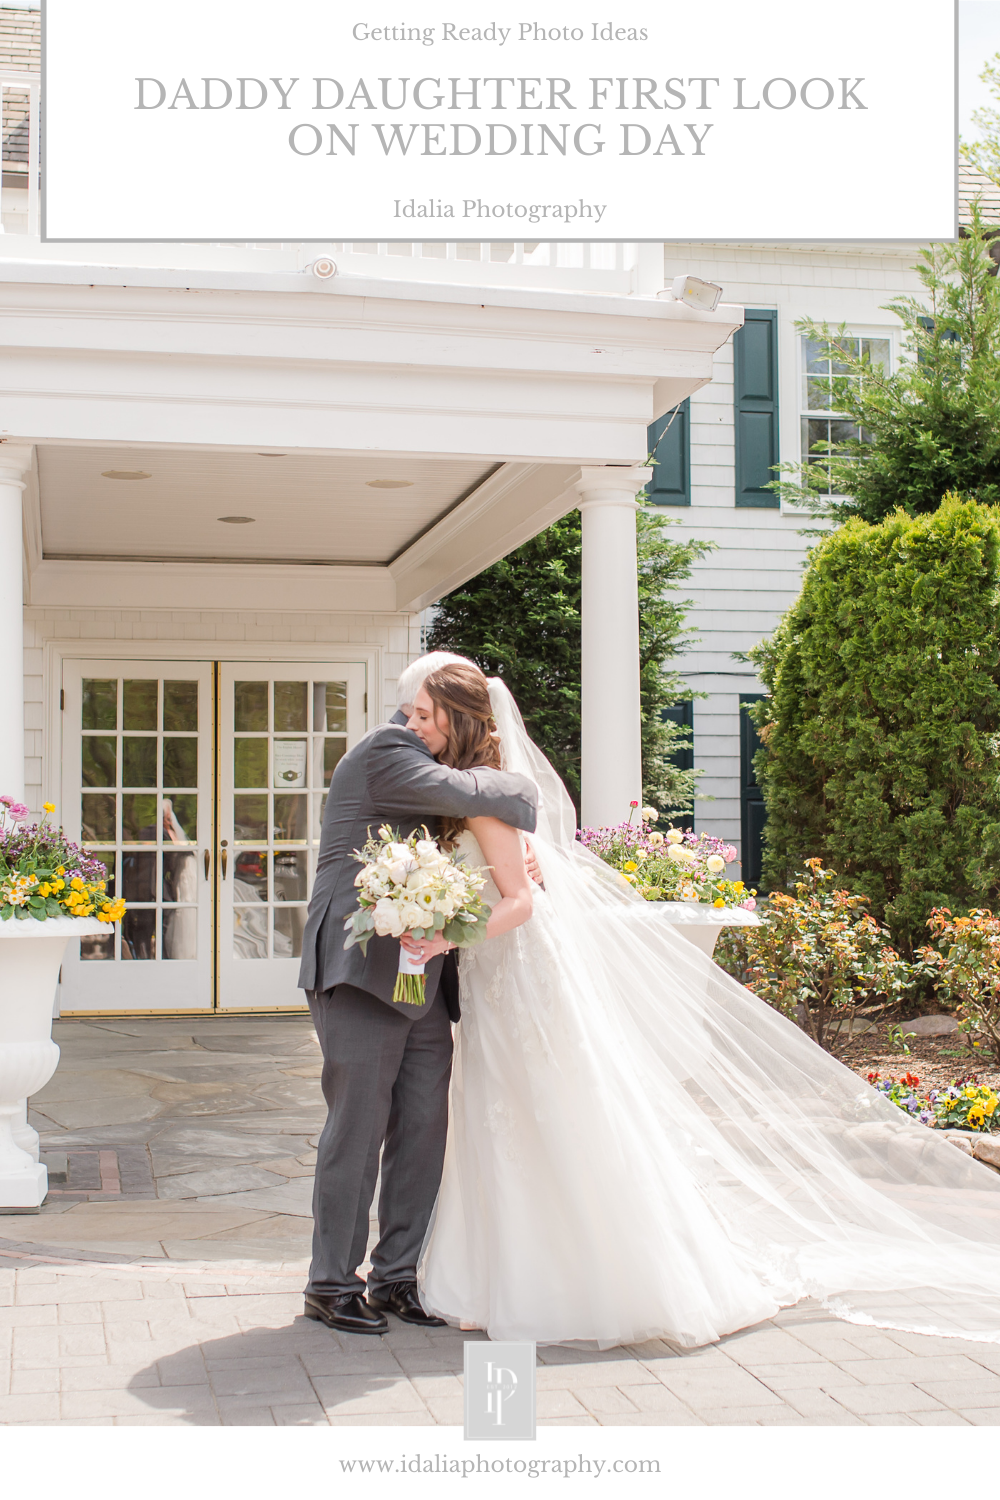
column 701, row 923
column 30, row 955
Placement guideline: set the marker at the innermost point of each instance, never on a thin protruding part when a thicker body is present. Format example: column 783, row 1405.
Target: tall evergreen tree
column 520, row 620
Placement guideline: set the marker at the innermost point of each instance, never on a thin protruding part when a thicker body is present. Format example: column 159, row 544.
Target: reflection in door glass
column 100, row 703
column 249, row 932
column 139, row 700
column 106, row 857
column 180, row 761
column 290, row 705
column 180, row 706
column 290, row 817
column 99, row 948
column 180, row 876
column 330, row 707
column 180, row 932
column 99, row 757
column 139, row 934
column 289, row 876
column 138, row 761
column 250, row 819
column 250, row 876
column 289, row 925
column 180, row 818
column 138, row 875
column 98, row 817
column 250, row 707
column 333, row 752
column 138, row 819
column 250, row 763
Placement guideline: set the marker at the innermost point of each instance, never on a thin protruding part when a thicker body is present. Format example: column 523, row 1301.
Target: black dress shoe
column 402, row 1300
column 348, row 1312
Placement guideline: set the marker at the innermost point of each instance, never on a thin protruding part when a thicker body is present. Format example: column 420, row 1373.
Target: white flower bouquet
column 410, row 885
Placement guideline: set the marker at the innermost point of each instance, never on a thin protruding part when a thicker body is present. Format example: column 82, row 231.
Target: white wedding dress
column 640, row 1148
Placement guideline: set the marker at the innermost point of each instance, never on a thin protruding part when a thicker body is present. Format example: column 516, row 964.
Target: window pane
column 180, row 879
column 180, row 762
column 139, row 819
column 180, row 705
column 139, row 935
column 180, row 818
column 250, row 762
column 107, row 859
column 98, row 817
column 250, row 819
column 138, row 762
column 138, row 876
column 290, row 819
column 319, row 808
column 289, row 762
column 250, row 876
column 250, row 932
column 330, row 707
column 250, row 706
column 100, row 948
column 333, row 751
column 180, row 933
column 289, row 926
column 139, row 704
column 100, row 760
column 818, row 396
column 100, row 703
column 289, row 877
column 290, row 705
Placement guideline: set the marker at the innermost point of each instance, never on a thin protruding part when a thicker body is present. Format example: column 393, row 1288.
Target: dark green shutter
column 755, row 408
column 753, row 813
column 671, row 483
column 682, row 758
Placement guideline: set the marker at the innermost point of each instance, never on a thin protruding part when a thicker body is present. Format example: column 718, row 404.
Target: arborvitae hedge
column 882, row 732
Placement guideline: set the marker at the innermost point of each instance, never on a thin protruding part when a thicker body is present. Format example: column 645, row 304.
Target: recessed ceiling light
column 272, row 455
column 388, row 484
column 237, row 520
column 125, row 474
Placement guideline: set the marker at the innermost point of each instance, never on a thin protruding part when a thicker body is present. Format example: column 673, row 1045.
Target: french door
column 200, row 787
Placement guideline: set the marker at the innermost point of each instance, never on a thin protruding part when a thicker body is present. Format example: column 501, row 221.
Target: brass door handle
column 208, row 862
column 225, row 858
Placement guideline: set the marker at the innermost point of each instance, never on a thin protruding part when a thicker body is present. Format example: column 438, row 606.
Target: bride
column 641, row 1148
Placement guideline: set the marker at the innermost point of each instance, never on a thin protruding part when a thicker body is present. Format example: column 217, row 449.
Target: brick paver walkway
column 161, row 1283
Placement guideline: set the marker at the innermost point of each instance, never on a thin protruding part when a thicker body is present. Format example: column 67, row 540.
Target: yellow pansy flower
column 630, row 864
column 719, row 902
column 49, row 806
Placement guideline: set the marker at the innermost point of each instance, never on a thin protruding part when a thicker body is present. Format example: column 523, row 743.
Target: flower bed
column 43, row 875
column 964, row 1104
column 670, row 866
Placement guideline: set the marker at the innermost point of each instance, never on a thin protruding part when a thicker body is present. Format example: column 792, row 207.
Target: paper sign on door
column 289, row 763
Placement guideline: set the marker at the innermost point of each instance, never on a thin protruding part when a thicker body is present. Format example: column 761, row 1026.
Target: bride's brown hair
column 462, row 692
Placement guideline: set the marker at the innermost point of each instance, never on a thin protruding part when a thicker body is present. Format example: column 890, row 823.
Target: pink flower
column 729, row 853
column 749, row 905
column 7, row 801
column 19, row 812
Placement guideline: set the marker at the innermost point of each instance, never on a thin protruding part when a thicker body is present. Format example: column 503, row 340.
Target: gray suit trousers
column 385, row 1080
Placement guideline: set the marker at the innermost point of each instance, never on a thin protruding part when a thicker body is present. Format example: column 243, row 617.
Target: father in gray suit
column 386, row 1065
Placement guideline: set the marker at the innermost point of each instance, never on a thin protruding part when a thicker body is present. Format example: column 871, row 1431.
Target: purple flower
column 925, row 1117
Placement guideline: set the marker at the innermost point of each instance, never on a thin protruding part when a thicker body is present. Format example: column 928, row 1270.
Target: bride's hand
column 421, row 949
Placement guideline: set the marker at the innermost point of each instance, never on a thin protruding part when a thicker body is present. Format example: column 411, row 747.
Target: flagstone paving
column 161, row 1281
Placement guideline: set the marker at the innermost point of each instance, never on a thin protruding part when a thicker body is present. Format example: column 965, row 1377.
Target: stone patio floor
column 161, row 1281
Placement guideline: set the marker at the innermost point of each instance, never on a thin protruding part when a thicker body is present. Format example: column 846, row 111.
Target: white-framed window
column 819, row 421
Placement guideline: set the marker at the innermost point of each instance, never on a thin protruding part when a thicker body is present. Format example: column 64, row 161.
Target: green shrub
column 882, row 726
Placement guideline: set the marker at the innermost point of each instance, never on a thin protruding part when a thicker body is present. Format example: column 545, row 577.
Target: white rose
column 410, row 916
column 649, row 814
column 397, row 871
column 417, row 879
column 426, row 848
column 399, row 851
column 674, row 836
column 387, row 918
column 716, row 863
column 656, row 839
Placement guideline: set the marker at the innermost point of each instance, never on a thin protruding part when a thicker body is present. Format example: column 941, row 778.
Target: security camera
column 323, row 268
column 693, row 292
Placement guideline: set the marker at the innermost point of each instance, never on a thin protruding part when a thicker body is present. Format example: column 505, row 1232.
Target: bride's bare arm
column 502, row 851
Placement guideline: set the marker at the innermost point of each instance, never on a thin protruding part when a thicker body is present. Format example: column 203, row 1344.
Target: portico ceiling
column 305, row 508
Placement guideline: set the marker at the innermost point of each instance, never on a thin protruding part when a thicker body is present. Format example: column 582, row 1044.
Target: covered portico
column 230, row 482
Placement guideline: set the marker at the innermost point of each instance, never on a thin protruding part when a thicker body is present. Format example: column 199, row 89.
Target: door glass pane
column 319, row 804
column 180, row 761
column 107, row 859
column 138, row 875
column 249, row 932
column 289, row 763
column 290, row 705
column 290, row 818
column 250, row 762
column 250, row 819
column 289, row 925
column 100, row 760
column 180, row 818
column 139, row 704
column 98, row 817
column 180, row 878
column 97, row 947
column 250, row 876
column 100, row 703
column 139, row 934
column 330, row 707
column 138, row 761
column 180, row 932
column 333, row 750
column 180, row 706
column 250, row 706
column 289, row 876
column 138, row 819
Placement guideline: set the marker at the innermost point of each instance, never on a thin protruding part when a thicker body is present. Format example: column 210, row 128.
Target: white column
column 14, row 464
column 611, row 770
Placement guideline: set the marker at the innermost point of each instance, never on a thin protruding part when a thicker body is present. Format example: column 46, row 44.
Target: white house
column 229, row 482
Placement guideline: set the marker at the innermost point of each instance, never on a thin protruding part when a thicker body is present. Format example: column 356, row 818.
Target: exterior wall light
column 693, row 292
column 323, row 268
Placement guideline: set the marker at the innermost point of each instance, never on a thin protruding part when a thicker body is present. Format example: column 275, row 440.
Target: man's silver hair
column 412, row 678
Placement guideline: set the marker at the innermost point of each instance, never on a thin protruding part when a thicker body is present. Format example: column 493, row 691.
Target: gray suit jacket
column 390, row 777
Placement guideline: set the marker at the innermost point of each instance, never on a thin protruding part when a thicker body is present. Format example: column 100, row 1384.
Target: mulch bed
column 936, row 1061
